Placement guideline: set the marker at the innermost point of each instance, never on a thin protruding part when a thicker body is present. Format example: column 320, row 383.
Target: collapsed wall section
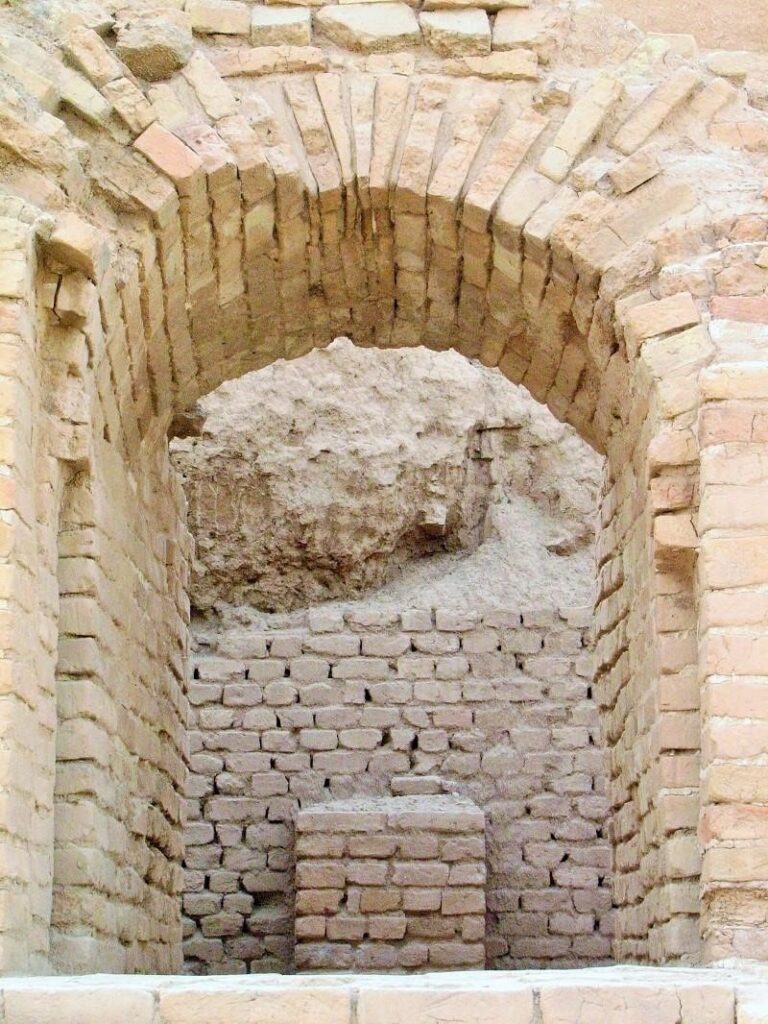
column 495, row 707
column 352, row 470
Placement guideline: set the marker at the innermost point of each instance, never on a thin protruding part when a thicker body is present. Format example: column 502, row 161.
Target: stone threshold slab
column 610, row 995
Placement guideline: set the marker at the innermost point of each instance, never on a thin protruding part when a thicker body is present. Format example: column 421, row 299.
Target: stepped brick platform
column 390, row 883
column 612, row 995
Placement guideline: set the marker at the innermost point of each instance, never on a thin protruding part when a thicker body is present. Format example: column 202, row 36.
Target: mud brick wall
column 137, row 275
column 495, row 707
column 120, row 740
column 390, row 884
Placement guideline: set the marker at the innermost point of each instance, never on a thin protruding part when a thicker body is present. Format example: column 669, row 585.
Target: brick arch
column 399, row 213
column 165, row 239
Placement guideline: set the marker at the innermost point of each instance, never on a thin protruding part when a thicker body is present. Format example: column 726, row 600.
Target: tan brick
column 220, row 16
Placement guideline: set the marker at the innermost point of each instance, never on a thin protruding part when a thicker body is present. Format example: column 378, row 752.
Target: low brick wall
column 494, row 707
column 616, row 995
column 390, row 884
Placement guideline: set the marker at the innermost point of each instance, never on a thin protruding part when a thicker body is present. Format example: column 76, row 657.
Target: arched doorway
column 249, row 223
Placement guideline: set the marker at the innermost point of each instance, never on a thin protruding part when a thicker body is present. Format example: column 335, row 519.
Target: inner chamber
column 396, row 759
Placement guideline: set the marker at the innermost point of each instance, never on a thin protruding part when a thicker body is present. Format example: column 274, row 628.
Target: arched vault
column 593, row 226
